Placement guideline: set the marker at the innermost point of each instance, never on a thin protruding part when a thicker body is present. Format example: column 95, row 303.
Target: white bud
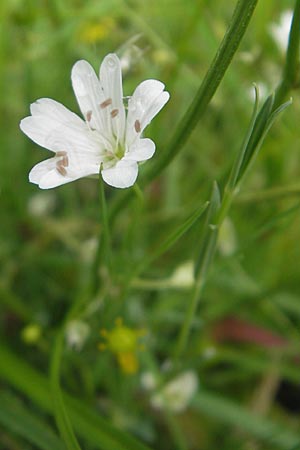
column 176, row 395
column 227, row 239
column 148, row 381
column 183, row 276
column 280, row 31
column 77, row 333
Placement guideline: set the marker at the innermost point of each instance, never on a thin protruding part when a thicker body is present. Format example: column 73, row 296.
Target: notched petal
column 122, row 175
column 141, row 150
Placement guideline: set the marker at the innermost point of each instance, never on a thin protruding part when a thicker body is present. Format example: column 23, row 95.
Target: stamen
column 137, row 126
column 114, row 113
column 60, row 169
column 106, row 103
column 62, row 163
column 65, row 161
column 89, row 116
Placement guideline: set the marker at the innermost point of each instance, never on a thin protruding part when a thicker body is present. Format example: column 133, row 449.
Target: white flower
column 280, row 32
column 177, row 394
column 107, row 141
column 77, row 333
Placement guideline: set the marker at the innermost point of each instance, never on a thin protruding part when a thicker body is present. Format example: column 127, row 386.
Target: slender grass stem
column 175, row 431
column 187, row 323
column 62, row 419
column 138, row 192
column 229, row 45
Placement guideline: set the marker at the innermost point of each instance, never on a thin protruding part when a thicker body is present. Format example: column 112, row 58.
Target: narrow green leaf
column 276, row 112
column 234, row 174
column 254, row 151
column 237, row 416
column 256, row 136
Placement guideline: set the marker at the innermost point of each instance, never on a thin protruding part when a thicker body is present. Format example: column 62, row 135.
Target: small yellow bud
column 31, row 333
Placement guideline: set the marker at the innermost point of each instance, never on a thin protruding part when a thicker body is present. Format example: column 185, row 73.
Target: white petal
column 111, row 82
column 89, row 94
column 51, row 122
column 140, row 150
column 41, row 169
column 55, row 110
column 78, row 142
column 46, row 175
column 122, row 175
column 147, row 100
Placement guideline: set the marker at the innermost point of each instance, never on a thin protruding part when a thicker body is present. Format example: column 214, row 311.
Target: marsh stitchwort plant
column 108, row 140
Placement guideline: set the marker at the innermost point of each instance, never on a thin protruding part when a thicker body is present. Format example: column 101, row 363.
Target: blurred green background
column 47, row 238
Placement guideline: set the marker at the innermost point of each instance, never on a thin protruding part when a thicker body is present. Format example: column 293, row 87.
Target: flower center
column 119, row 151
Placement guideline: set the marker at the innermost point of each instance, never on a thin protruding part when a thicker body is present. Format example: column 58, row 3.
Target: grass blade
column 18, row 419
column 91, row 427
column 235, row 415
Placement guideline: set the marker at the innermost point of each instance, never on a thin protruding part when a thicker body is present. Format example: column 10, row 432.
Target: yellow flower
column 93, row 32
column 124, row 343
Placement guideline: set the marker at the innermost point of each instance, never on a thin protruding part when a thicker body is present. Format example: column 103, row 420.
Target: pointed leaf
column 209, row 236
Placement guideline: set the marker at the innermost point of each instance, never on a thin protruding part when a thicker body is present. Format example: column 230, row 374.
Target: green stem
column 103, row 252
column 290, row 76
column 138, row 192
column 176, row 432
column 187, row 324
column 105, row 225
column 229, row 45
